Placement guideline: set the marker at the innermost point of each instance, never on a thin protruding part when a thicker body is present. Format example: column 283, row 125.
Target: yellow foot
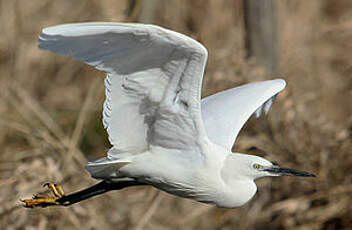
column 44, row 199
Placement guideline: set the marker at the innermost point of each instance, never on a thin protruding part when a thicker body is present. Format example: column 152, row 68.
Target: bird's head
column 253, row 167
column 240, row 171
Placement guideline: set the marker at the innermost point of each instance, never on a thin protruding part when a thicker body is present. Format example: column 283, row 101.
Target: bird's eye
column 257, row 166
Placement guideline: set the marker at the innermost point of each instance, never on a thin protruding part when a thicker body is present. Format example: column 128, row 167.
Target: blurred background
column 50, row 112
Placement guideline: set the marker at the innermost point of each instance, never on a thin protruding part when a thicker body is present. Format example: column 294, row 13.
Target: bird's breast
column 237, row 193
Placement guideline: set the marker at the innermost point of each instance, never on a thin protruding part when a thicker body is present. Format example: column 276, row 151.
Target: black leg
column 94, row 190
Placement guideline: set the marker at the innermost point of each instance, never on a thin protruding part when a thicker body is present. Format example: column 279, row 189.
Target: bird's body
column 205, row 180
column 185, row 178
column 162, row 133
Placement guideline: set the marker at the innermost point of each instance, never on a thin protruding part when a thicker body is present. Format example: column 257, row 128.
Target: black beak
column 287, row 172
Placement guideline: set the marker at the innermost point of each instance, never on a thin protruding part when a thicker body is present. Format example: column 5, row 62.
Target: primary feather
column 229, row 110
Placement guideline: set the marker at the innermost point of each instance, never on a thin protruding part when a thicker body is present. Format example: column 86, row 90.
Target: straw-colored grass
column 50, row 112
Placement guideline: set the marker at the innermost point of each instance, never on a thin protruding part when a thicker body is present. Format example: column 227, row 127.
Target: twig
column 82, row 117
column 151, row 210
column 44, row 117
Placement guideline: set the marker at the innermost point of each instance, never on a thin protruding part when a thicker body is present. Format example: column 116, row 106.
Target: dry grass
column 50, row 111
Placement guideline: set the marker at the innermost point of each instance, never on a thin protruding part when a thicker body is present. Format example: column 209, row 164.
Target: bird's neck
column 238, row 188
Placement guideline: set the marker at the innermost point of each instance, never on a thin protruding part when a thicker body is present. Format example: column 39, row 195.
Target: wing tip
column 280, row 82
column 54, row 30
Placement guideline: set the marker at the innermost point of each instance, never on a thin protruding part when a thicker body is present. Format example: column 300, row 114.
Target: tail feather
column 105, row 168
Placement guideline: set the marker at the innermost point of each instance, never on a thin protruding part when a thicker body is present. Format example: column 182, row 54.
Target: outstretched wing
column 153, row 81
column 226, row 112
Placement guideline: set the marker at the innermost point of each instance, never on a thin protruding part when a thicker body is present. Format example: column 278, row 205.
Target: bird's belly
column 178, row 176
column 190, row 188
column 194, row 186
column 175, row 176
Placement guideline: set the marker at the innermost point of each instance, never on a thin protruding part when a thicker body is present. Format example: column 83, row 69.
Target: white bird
column 161, row 131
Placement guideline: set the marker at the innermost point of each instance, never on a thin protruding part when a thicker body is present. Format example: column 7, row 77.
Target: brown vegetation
column 50, row 112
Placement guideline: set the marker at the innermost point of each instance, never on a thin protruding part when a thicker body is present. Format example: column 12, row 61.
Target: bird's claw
column 44, row 199
column 55, row 189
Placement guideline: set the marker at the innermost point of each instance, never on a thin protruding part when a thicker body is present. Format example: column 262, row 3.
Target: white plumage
column 162, row 133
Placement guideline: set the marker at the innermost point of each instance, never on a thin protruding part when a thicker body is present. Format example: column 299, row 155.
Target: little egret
column 162, row 133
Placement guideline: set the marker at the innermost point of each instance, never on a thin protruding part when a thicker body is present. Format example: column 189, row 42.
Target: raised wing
column 153, row 82
column 226, row 112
